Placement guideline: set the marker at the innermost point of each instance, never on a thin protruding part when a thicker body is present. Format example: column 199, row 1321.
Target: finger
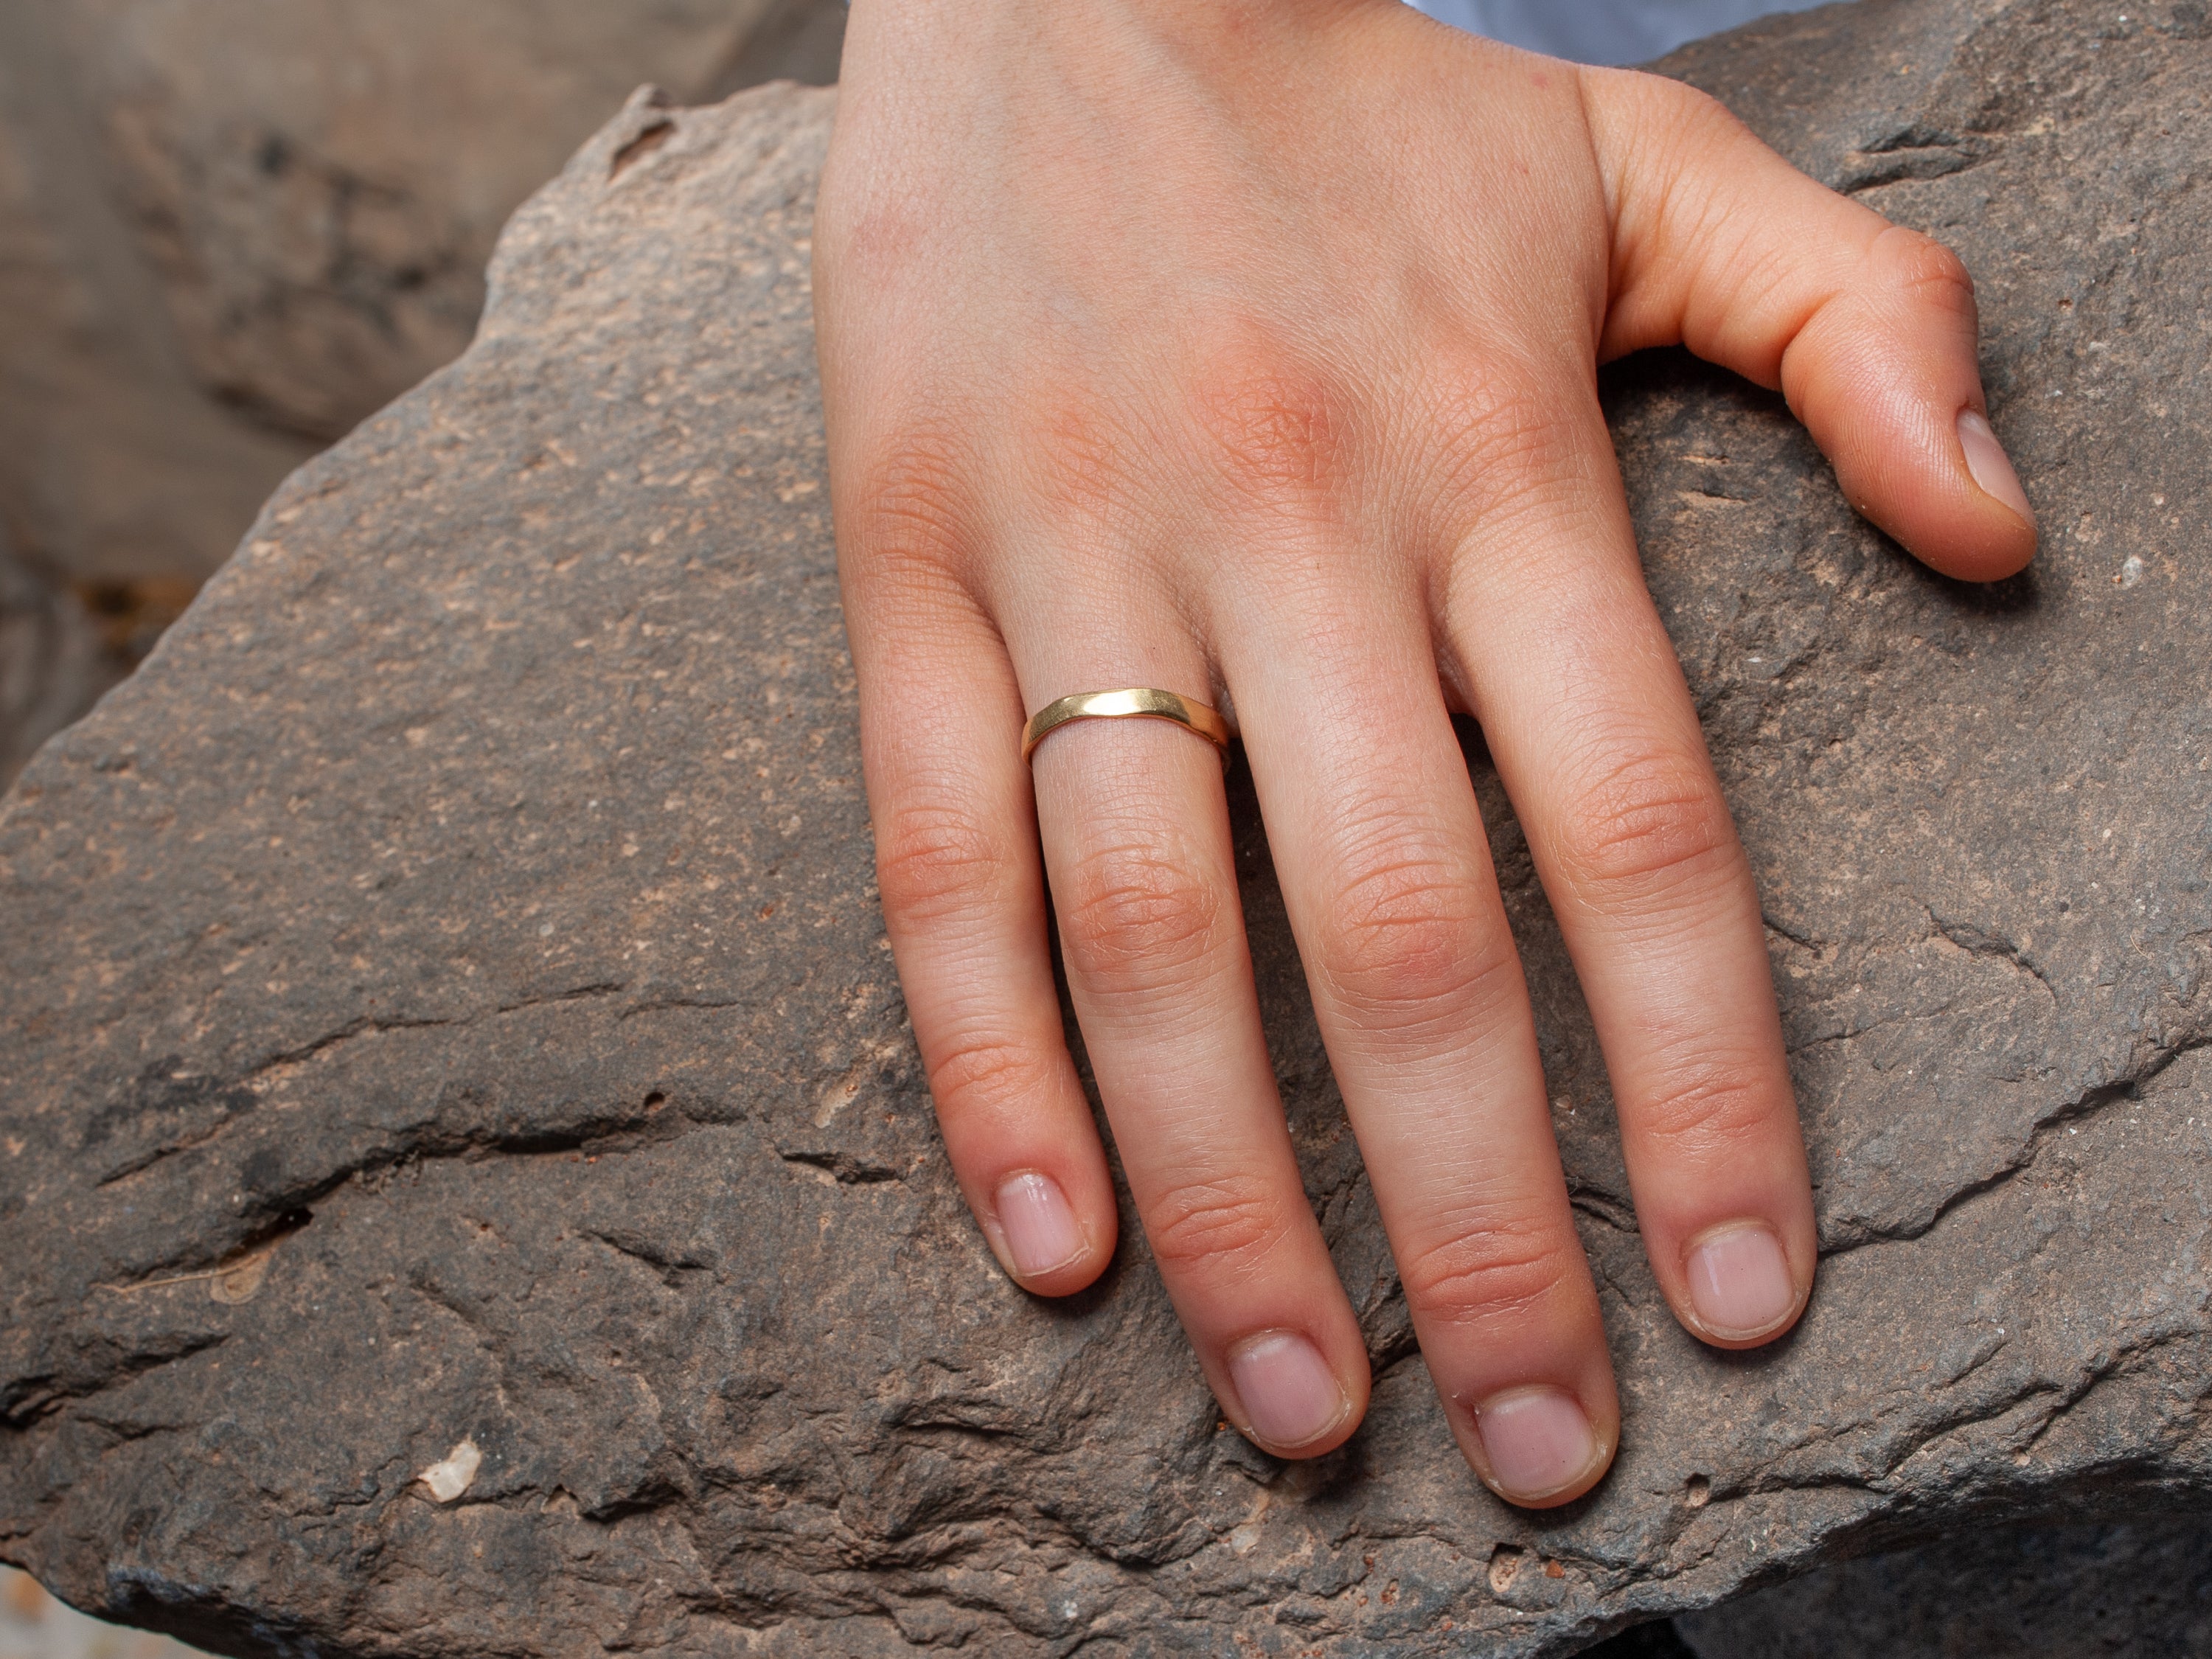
column 1868, row 328
column 1136, row 842
column 963, row 903
column 1548, row 623
column 1386, row 872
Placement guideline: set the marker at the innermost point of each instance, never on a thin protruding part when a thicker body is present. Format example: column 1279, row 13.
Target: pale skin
column 1248, row 349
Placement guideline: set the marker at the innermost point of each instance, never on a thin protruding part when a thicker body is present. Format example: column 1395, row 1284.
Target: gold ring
column 1143, row 702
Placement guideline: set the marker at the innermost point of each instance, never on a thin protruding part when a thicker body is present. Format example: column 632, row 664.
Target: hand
column 1247, row 348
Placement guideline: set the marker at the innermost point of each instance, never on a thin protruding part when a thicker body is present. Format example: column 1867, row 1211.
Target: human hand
column 1248, row 350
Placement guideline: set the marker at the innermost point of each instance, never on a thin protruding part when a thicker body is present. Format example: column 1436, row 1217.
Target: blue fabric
column 1603, row 31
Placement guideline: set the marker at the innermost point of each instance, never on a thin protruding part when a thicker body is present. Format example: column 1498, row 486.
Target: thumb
column 1867, row 329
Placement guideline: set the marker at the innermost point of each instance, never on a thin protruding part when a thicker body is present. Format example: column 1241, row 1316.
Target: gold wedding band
column 1142, row 702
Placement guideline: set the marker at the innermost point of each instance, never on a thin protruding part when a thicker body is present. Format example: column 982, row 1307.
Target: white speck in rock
column 2131, row 571
column 452, row 1475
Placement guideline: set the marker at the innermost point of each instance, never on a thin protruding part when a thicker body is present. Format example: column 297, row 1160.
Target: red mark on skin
column 1275, row 429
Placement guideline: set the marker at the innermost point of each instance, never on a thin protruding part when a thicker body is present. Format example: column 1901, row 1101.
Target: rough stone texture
column 229, row 230
column 2117, row 1591
column 445, row 1000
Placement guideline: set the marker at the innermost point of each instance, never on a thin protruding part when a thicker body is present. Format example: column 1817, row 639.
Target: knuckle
column 913, row 508
column 1708, row 1109
column 1927, row 270
column 1403, row 942
column 979, row 1074
column 1652, row 818
column 1225, row 1223
column 1504, row 446
column 1134, row 913
column 1507, row 453
column 934, row 861
column 1274, row 427
column 1490, row 1270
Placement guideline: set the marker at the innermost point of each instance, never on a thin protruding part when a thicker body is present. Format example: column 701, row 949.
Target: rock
column 236, row 227
column 2082, row 1592
column 447, row 1001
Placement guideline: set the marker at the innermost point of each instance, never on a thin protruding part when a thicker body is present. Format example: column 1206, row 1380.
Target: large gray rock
column 475, row 1192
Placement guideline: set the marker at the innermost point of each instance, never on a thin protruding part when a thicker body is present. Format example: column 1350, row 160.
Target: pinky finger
column 963, row 901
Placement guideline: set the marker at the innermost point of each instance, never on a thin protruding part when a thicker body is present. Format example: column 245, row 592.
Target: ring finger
column 1134, row 824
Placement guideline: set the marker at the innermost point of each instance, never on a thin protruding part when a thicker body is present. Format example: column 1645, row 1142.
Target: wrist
column 928, row 39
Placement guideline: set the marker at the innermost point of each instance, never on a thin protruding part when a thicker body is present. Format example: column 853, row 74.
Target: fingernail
column 1740, row 1280
column 1538, row 1441
column 1287, row 1389
column 1987, row 460
column 1039, row 1226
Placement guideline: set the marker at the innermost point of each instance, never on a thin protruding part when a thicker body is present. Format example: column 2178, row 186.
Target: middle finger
column 1387, row 875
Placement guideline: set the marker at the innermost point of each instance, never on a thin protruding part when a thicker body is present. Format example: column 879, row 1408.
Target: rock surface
column 447, row 1024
